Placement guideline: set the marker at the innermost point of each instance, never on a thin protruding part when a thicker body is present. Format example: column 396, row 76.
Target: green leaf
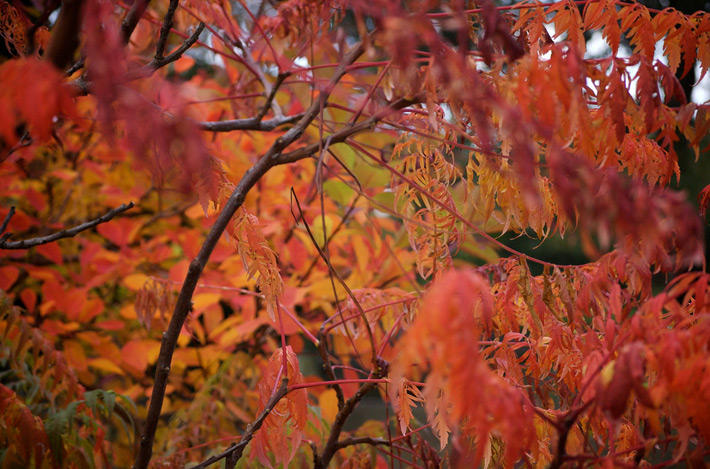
column 57, row 426
column 338, row 191
column 110, row 400
column 91, row 398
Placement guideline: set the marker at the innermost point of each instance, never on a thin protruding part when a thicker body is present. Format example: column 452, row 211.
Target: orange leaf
column 282, row 430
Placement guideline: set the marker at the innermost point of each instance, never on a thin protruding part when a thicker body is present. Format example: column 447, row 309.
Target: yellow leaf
column 135, row 281
column 607, row 373
column 106, row 365
column 328, row 403
column 203, row 300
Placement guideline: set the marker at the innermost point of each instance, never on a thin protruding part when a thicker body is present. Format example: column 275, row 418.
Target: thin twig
column 343, row 134
column 160, row 62
column 177, row 53
column 68, row 233
column 251, row 123
column 269, row 90
column 363, row 440
column 270, row 98
column 25, row 141
column 7, row 219
column 234, row 452
column 337, row 275
column 165, row 29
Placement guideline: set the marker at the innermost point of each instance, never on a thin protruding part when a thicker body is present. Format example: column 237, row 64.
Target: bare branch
column 269, row 103
column 78, row 65
column 177, row 53
column 28, row 243
column 130, row 21
column 331, row 447
column 251, row 123
column 7, row 219
column 269, row 90
column 83, row 87
column 316, row 457
column 165, row 29
column 363, row 440
column 65, row 34
column 234, row 452
column 25, row 141
column 160, row 62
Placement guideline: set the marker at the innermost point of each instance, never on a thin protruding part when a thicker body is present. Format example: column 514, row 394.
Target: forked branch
column 68, row 233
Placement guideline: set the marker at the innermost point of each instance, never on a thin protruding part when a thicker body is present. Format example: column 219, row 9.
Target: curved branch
column 165, row 29
column 5, row 222
column 68, row 233
column 331, row 447
column 161, row 61
column 252, row 123
column 363, row 440
column 130, row 21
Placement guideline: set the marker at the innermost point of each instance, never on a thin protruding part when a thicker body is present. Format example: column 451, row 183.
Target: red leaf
column 52, row 252
column 33, row 102
column 8, row 275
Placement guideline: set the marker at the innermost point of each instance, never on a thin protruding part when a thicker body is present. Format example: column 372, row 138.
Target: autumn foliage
column 279, row 234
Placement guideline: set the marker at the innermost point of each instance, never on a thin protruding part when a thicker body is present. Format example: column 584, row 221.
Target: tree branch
column 184, row 301
column 269, row 90
column 160, row 62
column 363, row 440
column 130, row 21
column 177, row 53
column 272, row 89
column 564, row 425
column 68, row 233
column 331, row 447
column 165, row 29
column 328, row 366
column 83, row 87
column 251, row 123
column 65, row 35
column 7, row 219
